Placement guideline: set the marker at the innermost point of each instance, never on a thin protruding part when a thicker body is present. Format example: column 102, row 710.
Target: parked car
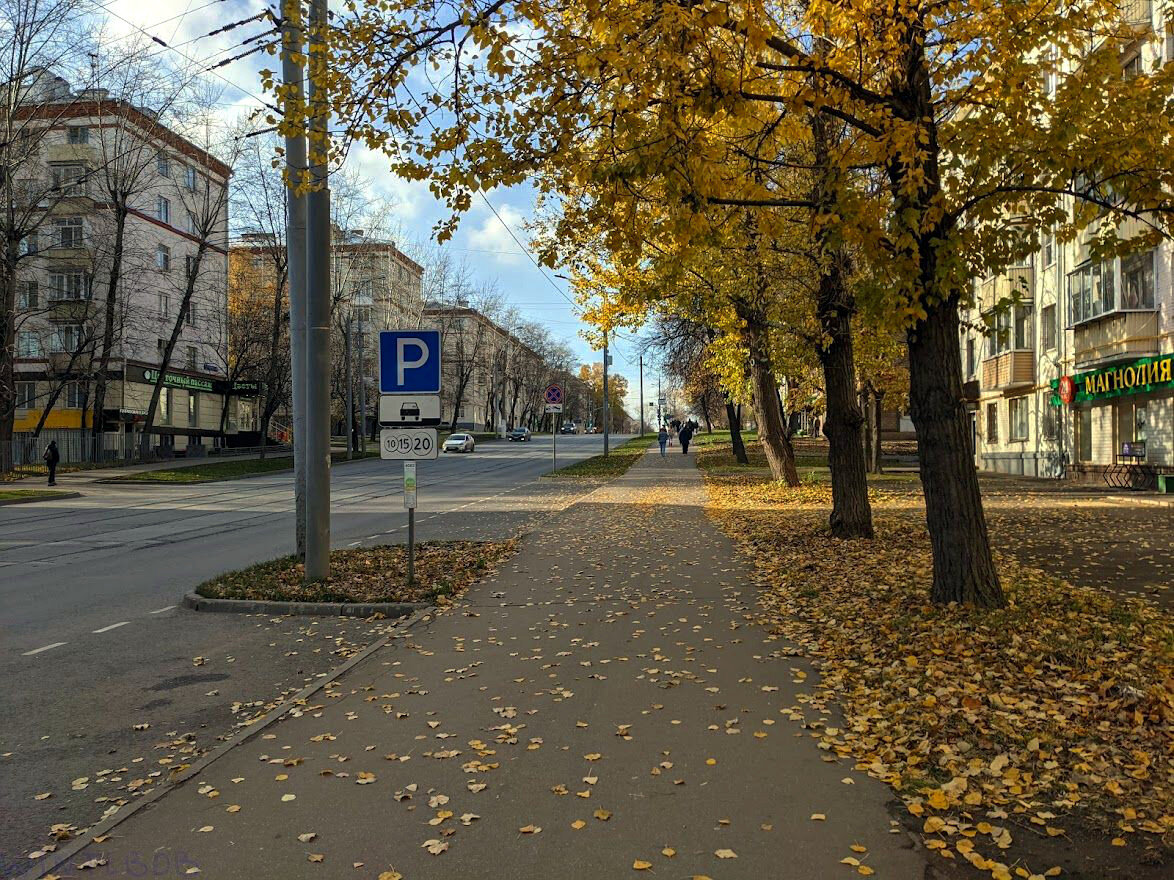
column 519, row 433
column 568, row 428
column 459, row 443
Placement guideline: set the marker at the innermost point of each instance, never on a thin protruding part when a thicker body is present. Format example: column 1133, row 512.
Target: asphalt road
column 92, row 645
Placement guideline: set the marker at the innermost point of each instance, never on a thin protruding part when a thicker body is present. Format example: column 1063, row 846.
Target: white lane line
column 161, row 610
column 354, row 543
column 112, row 626
column 45, row 648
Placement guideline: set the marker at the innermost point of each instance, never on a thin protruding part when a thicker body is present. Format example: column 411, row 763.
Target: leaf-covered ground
column 995, row 727
column 443, row 569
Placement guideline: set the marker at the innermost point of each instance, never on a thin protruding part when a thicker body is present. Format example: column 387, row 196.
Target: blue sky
column 482, row 239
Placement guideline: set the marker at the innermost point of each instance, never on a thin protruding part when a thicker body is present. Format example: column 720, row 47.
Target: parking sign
column 409, row 362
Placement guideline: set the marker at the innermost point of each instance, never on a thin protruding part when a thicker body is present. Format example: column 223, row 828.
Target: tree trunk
column 113, row 279
column 867, row 439
column 851, row 515
column 264, row 433
column 772, row 431
column 7, row 344
column 877, row 408
column 734, row 417
column 963, row 568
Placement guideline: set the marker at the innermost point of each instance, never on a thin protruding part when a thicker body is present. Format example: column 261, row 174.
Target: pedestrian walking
column 52, row 456
column 685, row 435
column 663, row 439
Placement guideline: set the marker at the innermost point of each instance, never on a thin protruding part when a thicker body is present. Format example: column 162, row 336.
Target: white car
column 458, row 443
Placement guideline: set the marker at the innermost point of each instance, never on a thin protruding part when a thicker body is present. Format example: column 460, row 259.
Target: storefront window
column 164, row 406
column 1129, row 416
column 193, row 407
column 1082, row 425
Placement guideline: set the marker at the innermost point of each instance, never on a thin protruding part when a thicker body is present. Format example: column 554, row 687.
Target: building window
column 69, row 232
column 73, row 396
column 189, row 179
column 189, row 266
column 1048, row 327
column 163, row 166
column 68, row 285
column 1133, row 67
column 193, row 223
column 1017, row 418
column 28, row 344
column 193, row 406
column 1051, row 421
column 191, row 315
column 164, row 406
column 1049, row 248
column 191, row 351
column 79, row 134
column 1082, row 426
column 1137, row 281
column 1091, row 291
column 67, row 338
column 992, row 423
column 162, row 209
column 163, row 258
column 29, row 296
column 69, row 180
column 164, row 304
column 28, row 245
column 970, row 364
column 1012, row 329
column 26, row 395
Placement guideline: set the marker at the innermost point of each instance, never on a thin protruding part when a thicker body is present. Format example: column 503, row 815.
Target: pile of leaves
column 443, row 570
column 984, row 721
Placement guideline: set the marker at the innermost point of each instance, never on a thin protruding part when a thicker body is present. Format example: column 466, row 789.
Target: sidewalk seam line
column 238, row 739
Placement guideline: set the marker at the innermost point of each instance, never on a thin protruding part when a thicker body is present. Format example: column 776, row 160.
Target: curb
column 197, row 602
column 60, row 497
column 82, row 841
column 129, row 481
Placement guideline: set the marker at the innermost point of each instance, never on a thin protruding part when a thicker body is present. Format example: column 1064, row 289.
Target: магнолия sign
column 1139, row 377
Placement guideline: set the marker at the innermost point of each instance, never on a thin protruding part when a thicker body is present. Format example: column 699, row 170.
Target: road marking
column 354, row 543
column 45, row 648
column 112, row 626
column 161, row 610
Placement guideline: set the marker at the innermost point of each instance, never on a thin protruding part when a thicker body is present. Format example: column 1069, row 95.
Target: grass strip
column 214, row 471
column 28, row 494
column 444, row 569
column 612, row 465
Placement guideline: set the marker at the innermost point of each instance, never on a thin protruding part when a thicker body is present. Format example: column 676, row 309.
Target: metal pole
column 411, row 546
column 641, row 395
column 295, row 252
column 606, row 426
column 554, row 437
column 362, row 393
column 318, row 313
column 350, row 395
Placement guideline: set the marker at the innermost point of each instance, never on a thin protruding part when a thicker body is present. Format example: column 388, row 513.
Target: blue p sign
column 409, row 362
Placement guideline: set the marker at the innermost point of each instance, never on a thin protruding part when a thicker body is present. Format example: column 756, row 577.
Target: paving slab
column 604, row 706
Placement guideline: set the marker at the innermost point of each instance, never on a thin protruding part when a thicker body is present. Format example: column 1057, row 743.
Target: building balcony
column 1116, row 336
column 1017, row 281
column 1011, row 369
column 1136, row 18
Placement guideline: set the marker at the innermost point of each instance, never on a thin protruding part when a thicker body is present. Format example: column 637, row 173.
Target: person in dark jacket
column 52, row 456
column 663, row 439
column 685, row 435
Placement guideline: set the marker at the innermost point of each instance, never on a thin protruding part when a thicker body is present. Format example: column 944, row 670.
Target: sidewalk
column 601, row 707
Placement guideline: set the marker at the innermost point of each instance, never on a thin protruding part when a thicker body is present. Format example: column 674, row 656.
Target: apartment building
column 81, row 141
column 1076, row 377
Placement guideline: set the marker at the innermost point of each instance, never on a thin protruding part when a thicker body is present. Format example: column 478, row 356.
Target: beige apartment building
column 1076, row 379
column 62, row 281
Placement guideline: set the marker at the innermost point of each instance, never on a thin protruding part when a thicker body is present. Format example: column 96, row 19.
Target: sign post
column 409, row 410
column 410, row 504
column 553, row 395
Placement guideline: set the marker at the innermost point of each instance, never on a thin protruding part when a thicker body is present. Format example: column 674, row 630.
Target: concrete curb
column 389, row 610
column 65, row 853
column 60, row 497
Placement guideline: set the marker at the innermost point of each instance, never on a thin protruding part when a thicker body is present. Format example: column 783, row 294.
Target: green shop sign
column 1139, row 377
column 174, row 380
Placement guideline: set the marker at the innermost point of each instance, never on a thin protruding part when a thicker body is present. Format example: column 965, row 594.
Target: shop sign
column 246, row 388
column 175, row 380
column 1139, row 377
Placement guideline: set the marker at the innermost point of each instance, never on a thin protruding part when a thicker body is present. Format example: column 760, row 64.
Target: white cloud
column 492, row 237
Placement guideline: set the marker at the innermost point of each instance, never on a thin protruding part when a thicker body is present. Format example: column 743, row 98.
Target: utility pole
column 295, row 256
column 350, row 394
column 641, row 395
column 606, row 426
column 318, row 312
column 362, row 392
